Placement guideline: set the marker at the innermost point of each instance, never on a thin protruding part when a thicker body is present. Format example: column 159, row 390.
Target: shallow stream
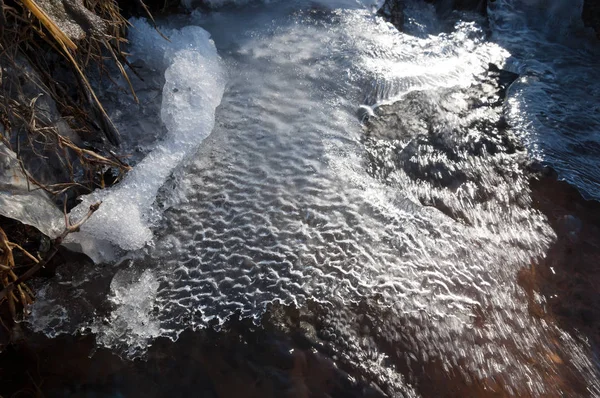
column 375, row 178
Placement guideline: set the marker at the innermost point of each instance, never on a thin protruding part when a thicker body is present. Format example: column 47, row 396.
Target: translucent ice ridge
column 194, row 86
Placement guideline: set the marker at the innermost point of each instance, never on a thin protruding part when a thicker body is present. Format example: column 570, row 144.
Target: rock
column 443, row 6
column 446, row 139
column 393, row 12
column 591, row 15
column 137, row 8
column 73, row 18
column 21, row 201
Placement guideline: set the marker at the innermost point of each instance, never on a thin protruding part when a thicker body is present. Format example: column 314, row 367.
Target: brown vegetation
column 14, row 290
column 51, row 117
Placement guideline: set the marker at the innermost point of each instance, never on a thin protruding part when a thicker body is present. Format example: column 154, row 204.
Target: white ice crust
column 194, row 86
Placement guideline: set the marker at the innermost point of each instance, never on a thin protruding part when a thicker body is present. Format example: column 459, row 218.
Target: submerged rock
column 393, row 12
column 591, row 15
column 566, row 277
column 444, row 6
column 22, row 202
column 242, row 360
column 455, row 140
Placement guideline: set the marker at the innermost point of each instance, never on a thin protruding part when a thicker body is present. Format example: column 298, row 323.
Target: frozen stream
column 293, row 198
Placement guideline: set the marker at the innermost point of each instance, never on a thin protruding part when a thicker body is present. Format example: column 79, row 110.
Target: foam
column 193, row 89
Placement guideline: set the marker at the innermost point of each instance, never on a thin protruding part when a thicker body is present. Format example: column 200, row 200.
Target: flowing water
column 313, row 188
column 554, row 104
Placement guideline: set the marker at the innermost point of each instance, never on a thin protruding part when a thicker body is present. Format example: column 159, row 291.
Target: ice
column 20, row 201
column 193, row 89
column 48, row 315
column 131, row 323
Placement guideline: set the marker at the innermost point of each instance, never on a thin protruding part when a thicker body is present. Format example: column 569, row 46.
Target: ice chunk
column 21, row 202
column 131, row 323
column 194, row 86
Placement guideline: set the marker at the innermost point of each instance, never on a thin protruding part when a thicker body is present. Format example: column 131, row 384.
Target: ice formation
column 131, row 322
column 19, row 201
column 194, row 87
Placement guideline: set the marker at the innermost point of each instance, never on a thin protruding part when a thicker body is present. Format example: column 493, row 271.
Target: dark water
column 554, row 104
column 369, row 217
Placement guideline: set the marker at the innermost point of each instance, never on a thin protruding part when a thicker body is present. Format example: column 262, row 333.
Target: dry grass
column 22, row 295
column 39, row 54
column 15, row 291
column 31, row 37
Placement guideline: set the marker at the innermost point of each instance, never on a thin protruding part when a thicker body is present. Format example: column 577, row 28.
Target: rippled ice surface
column 279, row 203
column 278, row 206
